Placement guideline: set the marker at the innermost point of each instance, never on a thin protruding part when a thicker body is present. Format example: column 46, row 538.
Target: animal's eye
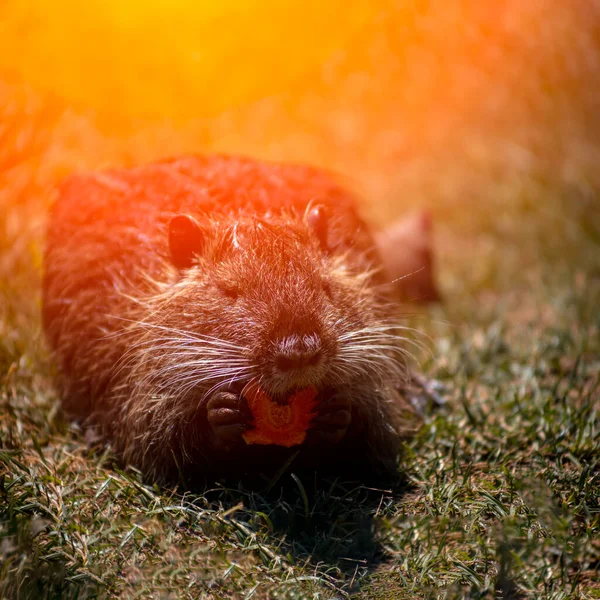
column 229, row 290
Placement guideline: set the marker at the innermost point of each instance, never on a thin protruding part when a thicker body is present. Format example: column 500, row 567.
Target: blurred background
column 485, row 113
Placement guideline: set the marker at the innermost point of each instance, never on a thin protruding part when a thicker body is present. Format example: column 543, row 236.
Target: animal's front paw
column 331, row 422
column 228, row 417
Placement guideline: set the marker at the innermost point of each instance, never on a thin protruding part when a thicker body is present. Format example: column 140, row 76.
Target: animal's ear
column 317, row 218
column 186, row 239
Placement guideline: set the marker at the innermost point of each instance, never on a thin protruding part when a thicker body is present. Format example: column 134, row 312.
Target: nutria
column 168, row 287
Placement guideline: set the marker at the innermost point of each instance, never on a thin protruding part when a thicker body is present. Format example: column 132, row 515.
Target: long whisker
column 189, row 335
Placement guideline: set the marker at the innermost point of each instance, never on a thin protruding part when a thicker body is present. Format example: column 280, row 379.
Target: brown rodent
column 168, row 287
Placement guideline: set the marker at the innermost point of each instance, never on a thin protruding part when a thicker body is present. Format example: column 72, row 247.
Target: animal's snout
column 296, row 352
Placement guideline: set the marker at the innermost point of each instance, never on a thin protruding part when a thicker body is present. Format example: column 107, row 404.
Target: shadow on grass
column 319, row 518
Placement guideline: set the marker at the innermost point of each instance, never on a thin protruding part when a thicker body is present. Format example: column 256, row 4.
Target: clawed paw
column 331, row 422
column 228, row 416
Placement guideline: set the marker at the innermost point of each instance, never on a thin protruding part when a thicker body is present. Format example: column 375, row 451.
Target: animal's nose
column 298, row 352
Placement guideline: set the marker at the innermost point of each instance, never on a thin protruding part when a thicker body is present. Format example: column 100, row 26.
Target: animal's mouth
column 283, row 398
column 323, row 393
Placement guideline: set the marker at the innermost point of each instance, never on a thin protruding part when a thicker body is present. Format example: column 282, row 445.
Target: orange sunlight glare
column 416, row 103
column 173, row 59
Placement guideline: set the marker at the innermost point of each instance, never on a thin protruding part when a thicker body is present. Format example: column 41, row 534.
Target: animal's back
column 113, row 222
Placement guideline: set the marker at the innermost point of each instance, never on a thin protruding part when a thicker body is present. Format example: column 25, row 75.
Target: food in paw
column 276, row 423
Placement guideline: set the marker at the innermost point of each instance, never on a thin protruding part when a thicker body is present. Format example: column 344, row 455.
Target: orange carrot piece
column 279, row 424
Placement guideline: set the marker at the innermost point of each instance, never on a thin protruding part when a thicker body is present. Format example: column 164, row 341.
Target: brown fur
column 142, row 345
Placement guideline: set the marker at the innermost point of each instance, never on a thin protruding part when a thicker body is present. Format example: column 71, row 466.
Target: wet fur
column 141, row 345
